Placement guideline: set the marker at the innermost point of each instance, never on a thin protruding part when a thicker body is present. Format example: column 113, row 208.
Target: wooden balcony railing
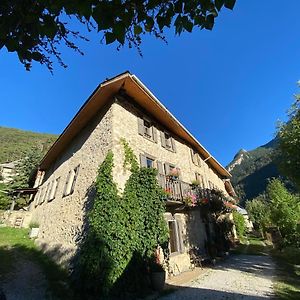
column 177, row 189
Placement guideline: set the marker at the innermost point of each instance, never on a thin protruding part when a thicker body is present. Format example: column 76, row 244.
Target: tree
column 289, row 144
column 239, row 223
column 35, row 28
column 25, row 167
column 259, row 212
column 285, row 211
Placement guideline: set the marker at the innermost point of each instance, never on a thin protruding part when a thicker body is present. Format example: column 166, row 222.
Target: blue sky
column 228, row 86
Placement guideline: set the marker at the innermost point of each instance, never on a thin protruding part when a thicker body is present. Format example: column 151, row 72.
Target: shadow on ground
column 27, row 273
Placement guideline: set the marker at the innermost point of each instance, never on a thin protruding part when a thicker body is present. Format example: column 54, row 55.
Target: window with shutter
column 167, row 141
column 146, row 129
column 147, row 161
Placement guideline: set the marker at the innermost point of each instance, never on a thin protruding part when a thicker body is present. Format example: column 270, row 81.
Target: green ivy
column 123, row 231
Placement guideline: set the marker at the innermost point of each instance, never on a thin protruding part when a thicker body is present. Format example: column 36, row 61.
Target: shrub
column 239, row 223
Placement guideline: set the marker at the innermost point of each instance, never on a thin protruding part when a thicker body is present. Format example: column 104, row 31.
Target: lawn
column 287, row 283
column 15, row 245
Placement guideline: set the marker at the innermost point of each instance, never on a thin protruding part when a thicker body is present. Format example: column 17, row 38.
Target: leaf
column 229, row 3
column 109, row 37
column 137, row 30
column 219, row 4
column 209, row 23
column 37, row 56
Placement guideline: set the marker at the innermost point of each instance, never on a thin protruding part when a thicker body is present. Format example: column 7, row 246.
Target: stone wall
column 125, row 125
column 63, row 219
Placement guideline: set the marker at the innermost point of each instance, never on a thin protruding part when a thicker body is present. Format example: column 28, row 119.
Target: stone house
column 7, row 171
column 123, row 107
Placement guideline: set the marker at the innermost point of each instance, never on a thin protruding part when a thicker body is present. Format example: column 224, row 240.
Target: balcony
column 178, row 190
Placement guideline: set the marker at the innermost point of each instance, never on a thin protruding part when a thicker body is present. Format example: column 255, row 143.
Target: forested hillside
column 14, row 143
column 251, row 170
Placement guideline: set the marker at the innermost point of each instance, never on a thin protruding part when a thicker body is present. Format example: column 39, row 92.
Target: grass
column 15, row 244
column 287, row 285
column 287, row 282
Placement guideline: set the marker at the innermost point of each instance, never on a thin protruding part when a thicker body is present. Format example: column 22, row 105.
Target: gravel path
column 25, row 282
column 247, row 277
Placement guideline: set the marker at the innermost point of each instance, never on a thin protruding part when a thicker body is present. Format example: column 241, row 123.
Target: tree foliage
column 239, row 223
column 259, row 212
column 15, row 143
column 289, row 144
column 277, row 208
column 25, row 169
column 35, row 28
column 285, row 211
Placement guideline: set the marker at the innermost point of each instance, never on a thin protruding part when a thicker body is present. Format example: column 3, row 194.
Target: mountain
column 251, row 170
column 15, row 143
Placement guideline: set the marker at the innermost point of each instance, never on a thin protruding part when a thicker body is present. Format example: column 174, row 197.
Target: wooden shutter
column 74, row 179
column 192, row 156
column 141, row 127
column 154, row 134
column 163, row 139
column 143, row 161
column 67, row 183
column 160, row 167
column 180, row 234
column 167, row 168
column 173, row 144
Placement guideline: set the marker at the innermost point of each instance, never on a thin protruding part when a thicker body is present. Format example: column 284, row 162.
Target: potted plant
column 174, row 173
column 190, row 200
column 168, row 193
column 157, row 272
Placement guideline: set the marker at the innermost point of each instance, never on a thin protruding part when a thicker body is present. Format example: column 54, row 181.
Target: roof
column 141, row 95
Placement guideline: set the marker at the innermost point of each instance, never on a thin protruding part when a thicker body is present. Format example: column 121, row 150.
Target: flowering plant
column 168, row 192
column 190, row 199
column 204, row 201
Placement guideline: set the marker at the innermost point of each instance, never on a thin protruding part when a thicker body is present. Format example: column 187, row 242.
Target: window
column 147, row 161
column 146, row 129
column 167, row 141
column 71, row 181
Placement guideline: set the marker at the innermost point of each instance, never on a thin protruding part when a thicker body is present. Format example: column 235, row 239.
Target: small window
column 150, row 162
column 146, row 129
column 147, row 161
column 167, row 141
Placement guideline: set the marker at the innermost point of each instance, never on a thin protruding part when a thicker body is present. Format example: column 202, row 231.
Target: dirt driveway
column 247, row 277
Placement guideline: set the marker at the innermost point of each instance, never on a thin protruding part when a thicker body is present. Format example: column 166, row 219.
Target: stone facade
column 62, row 220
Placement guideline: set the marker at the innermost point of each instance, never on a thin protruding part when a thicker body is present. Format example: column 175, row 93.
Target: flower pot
column 158, row 280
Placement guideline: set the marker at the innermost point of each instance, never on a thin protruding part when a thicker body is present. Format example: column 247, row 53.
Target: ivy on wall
column 124, row 231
